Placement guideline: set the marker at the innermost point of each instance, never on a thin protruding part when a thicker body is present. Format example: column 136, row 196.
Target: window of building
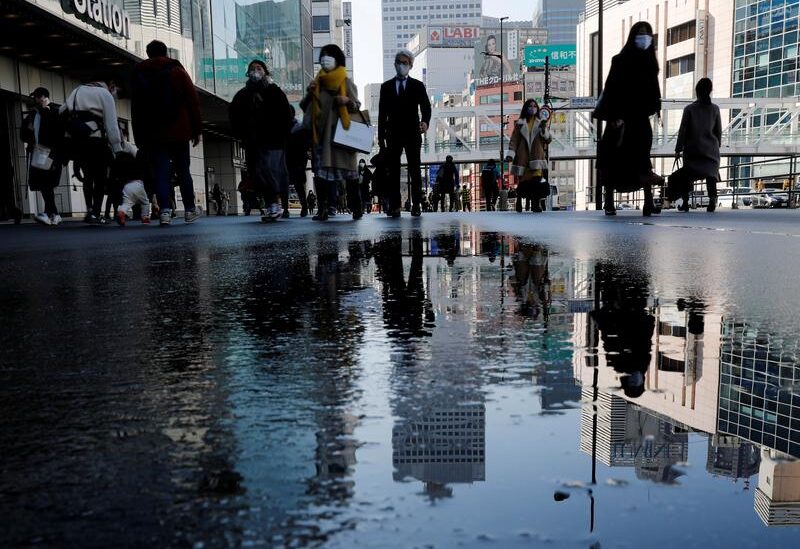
column 681, row 65
column 681, row 33
column 321, row 23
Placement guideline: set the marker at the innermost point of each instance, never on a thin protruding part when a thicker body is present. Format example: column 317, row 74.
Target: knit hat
column 258, row 62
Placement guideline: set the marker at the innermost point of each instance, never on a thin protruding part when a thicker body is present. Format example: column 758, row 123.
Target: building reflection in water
column 700, row 372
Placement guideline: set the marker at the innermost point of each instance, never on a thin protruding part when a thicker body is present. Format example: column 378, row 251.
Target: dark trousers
column 490, row 193
column 167, row 159
column 49, row 196
column 411, row 145
column 94, row 160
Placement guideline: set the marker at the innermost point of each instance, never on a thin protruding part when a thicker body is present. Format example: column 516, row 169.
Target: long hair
column 646, row 59
column 528, row 103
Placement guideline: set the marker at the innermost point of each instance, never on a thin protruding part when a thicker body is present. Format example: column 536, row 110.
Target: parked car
column 769, row 198
column 698, row 199
column 725, row 197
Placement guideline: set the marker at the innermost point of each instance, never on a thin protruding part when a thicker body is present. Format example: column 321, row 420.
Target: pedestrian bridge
column 751, row 127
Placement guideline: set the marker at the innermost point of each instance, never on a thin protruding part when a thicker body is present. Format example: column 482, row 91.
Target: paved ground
column 230, row 383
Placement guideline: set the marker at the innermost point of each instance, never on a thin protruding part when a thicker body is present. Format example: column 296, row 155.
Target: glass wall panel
column 274, row 31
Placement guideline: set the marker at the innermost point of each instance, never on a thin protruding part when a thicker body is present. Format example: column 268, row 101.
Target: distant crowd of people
column 139, row 180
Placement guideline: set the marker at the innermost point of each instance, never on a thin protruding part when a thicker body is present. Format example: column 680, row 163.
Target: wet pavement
column 499, row 380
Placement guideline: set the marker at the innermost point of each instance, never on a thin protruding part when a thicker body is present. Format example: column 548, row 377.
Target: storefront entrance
column 10, row 202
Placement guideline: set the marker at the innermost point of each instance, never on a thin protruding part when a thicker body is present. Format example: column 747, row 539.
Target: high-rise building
column 402, row 19
column 757, row 401
column 559, row 17
column 777, row 498
column 332, row 23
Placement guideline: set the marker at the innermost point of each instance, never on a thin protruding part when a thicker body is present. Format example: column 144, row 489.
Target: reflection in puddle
column 349, row 388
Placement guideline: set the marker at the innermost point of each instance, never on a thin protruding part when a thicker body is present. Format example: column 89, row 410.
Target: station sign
column 103, row 14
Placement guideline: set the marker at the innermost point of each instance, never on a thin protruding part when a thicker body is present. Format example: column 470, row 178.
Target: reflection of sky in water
column 440, row 389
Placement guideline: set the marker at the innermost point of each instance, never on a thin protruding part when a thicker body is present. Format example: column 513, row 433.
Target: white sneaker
column 165, row 218
column 42, row 218
column 191, row 217
column 55, row 219
column 275, row 211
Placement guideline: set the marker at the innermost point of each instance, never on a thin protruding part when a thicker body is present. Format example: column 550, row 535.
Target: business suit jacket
column 399, row 115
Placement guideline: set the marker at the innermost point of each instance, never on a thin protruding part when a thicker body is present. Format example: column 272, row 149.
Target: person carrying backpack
column 165, row 113
column 90, row 117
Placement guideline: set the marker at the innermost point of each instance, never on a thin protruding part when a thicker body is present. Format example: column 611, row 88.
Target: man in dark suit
column 400, row 127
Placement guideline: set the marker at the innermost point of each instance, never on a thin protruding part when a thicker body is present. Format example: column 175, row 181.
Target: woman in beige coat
column 528, row 142
column 331, row 97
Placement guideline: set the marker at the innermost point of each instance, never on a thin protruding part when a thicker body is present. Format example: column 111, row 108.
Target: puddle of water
column 456, row 388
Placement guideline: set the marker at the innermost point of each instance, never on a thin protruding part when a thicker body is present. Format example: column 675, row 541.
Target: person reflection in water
column 625, row 323
column 406, row 309
column 531, row 280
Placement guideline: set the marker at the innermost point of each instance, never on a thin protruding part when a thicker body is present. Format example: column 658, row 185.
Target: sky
column 367, row 40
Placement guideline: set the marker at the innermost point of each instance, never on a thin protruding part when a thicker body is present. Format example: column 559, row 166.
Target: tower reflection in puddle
column 673, row 368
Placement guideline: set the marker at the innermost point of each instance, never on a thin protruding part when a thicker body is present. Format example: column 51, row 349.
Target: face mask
column 643, row 41
column 255, row 77
column 402, row 69
column 328, row 63
column 532, row 111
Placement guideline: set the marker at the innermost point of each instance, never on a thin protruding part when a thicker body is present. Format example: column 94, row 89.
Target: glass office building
column 758, row 398
column 765, row 64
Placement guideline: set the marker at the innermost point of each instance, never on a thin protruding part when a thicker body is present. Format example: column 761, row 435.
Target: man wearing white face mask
column 262, row 118
column 405, row 112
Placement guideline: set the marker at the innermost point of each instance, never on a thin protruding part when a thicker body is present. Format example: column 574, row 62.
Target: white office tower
column 402, row 19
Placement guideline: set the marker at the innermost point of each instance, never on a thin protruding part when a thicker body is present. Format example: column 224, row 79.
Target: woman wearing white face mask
column 630, row 96
column 331, row 97
column 528, row 142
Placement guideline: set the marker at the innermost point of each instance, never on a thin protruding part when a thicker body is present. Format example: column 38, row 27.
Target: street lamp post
column 503, row 191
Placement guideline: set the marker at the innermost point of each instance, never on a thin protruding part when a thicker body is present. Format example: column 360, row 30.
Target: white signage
column 701, row 44
column 103, row 14
column 513, row 45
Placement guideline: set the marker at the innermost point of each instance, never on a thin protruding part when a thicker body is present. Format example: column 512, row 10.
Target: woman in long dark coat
column 631, row 95
column 699, row 140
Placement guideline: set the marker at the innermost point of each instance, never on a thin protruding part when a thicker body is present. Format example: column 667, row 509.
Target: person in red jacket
column 165, row 114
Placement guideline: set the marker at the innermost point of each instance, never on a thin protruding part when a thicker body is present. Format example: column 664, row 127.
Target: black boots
column 322, row 199
column 354, row 199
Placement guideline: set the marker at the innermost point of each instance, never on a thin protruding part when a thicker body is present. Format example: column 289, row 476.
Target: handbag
column 360, row 136
column 40, row 158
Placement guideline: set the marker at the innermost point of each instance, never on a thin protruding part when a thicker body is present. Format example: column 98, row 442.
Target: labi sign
column 103, row 14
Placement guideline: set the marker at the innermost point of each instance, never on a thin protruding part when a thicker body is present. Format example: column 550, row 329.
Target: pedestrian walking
column 297, row 162
column 466, row 199
column 165, row 113
column 262, row 118
column 93, row 137
column 365, row 178
column 528, row 143
column 699, row 140
column 311, row 200
column 631, row 95
column 331, row 97
column 489, row 176
column 404, row 115
column 43, row 134
column 447, row 179
column 216, row 198
column 129, row 173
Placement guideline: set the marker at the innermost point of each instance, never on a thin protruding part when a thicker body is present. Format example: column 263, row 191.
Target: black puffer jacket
column 261, row 116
